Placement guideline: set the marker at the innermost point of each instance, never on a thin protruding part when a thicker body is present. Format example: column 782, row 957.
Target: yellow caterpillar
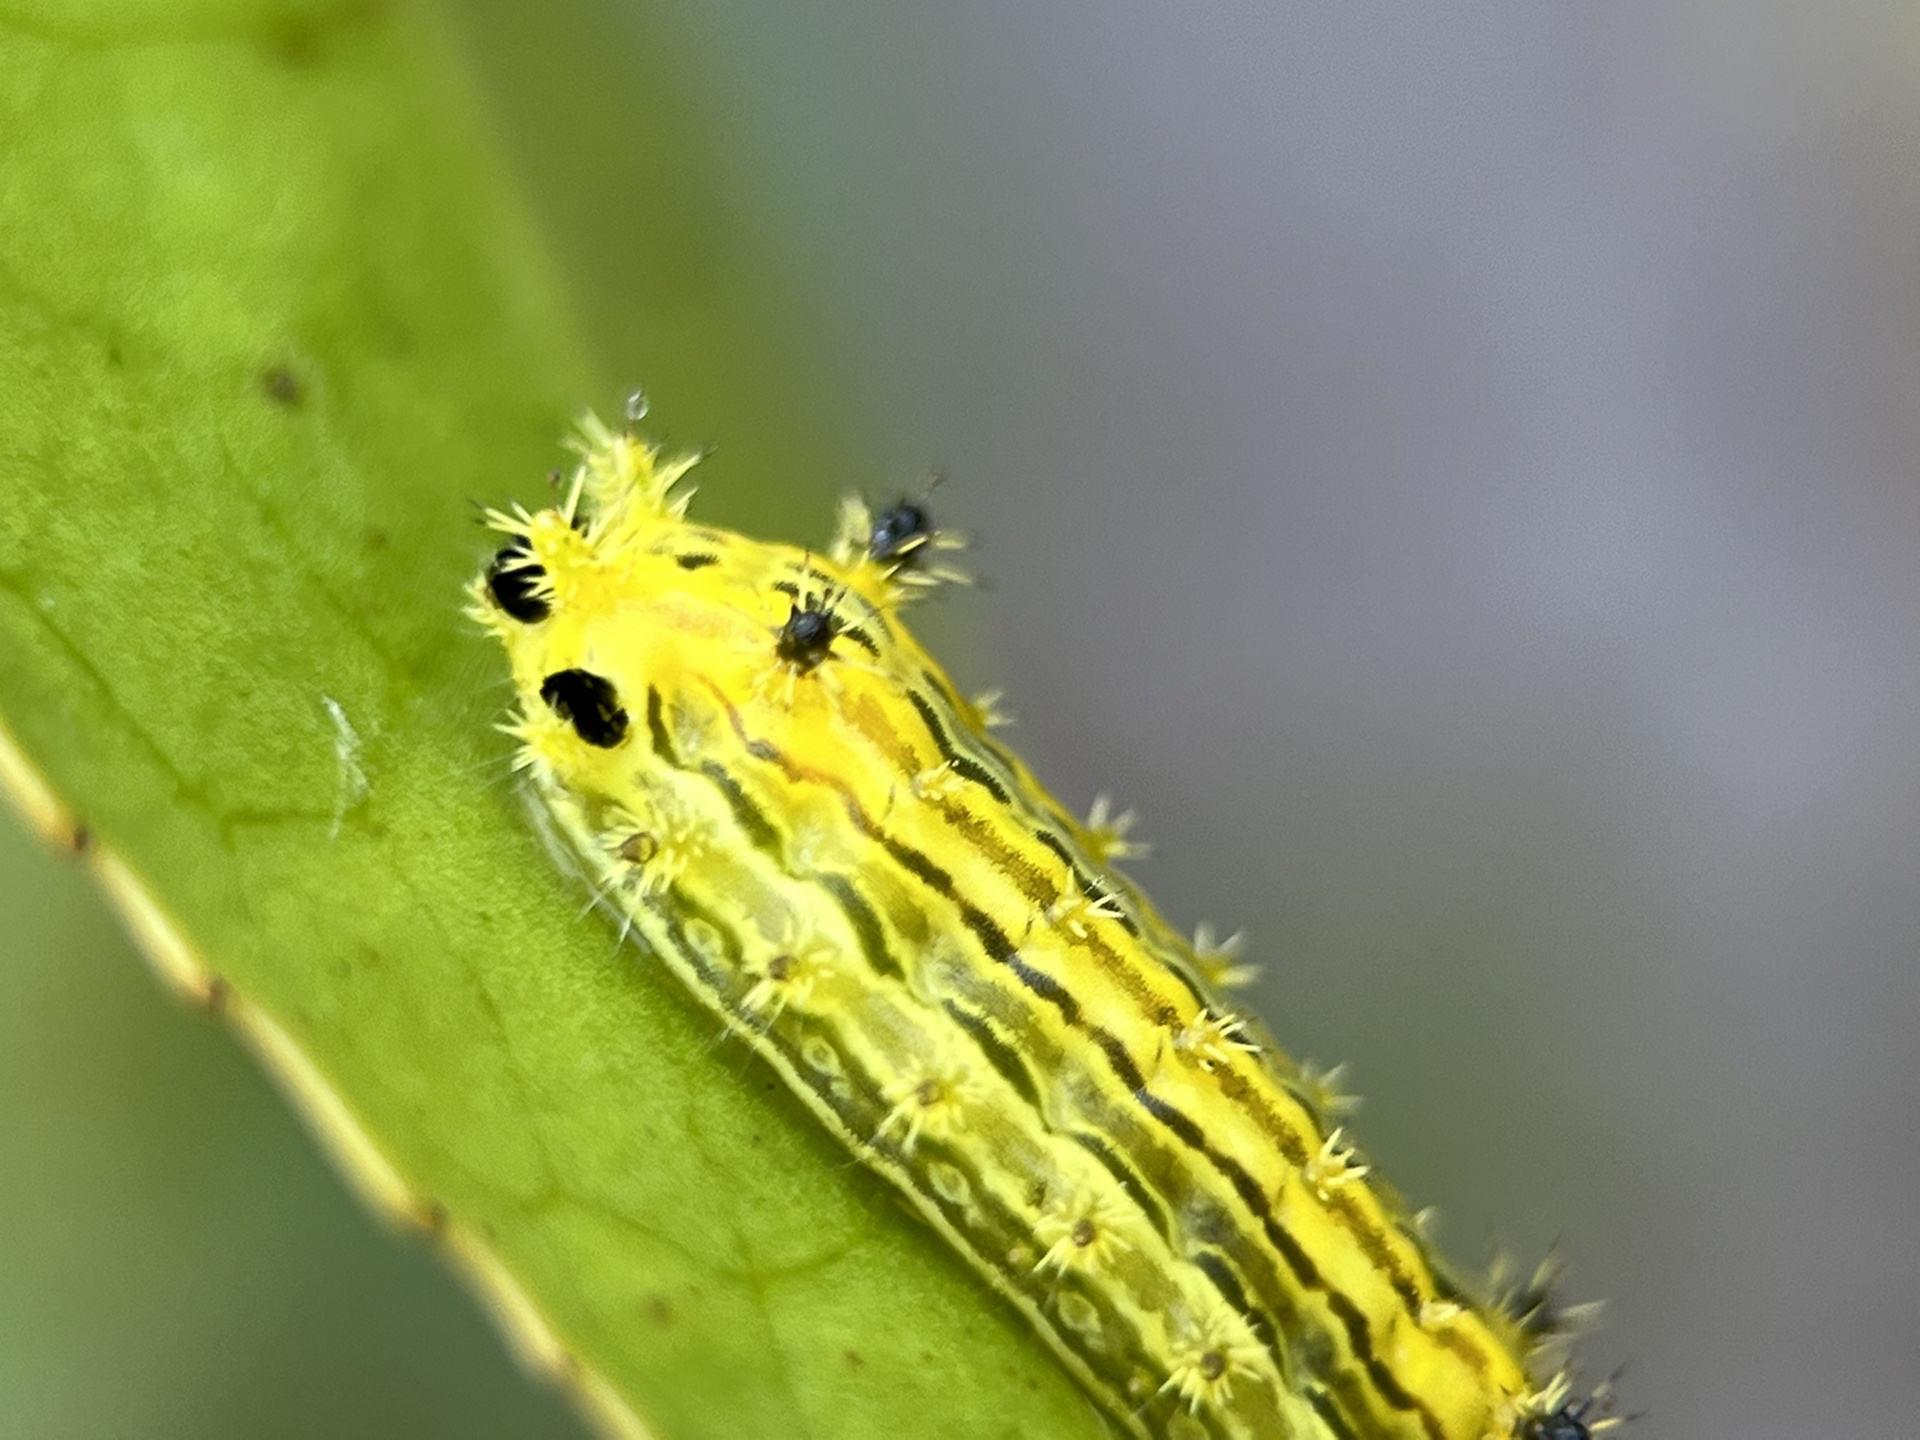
column 785, row 799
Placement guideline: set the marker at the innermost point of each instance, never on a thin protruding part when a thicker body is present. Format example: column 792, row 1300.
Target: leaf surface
column 272, row 319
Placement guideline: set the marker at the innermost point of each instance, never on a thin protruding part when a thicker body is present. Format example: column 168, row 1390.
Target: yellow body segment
column 786, row 801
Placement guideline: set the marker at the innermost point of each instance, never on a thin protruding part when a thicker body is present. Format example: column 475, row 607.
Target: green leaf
column 272, row 317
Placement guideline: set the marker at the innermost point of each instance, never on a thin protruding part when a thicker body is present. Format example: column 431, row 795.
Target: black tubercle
column 1569, row 1422
column 807, row 637
column 589, row 703
column 899, row 532
column 513, row 580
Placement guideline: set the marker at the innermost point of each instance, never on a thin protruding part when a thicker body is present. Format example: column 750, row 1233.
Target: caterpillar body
column 787, row 801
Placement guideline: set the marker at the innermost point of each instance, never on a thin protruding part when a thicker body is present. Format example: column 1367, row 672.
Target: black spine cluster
column 900, row 532
column 807, row 637
column 1562, row 1424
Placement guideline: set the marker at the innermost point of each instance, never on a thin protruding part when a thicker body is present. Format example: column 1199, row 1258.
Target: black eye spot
column 695, row 562
column 513, row 580
column 899, row 532
column 589, row 703
column 807, row 637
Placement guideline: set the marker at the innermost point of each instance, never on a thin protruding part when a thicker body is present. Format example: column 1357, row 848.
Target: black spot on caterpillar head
column 807, row 637
column 513, row 580
column 695, row 562
column 589, row 703
column 900, row 532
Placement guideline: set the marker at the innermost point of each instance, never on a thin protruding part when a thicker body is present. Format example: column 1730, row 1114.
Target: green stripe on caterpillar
column 787, row 801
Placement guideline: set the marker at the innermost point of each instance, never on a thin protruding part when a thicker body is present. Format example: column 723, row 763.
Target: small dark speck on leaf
column 82, row 840
column 293, row 39
column 376, row 538
column 854, row 1360
column 659, row 1310
column 283, row 387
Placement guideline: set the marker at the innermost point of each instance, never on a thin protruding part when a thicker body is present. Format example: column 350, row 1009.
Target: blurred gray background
column 1456, row 471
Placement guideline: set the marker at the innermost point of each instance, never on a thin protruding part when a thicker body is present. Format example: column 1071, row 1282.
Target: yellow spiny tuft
column 1218, row 960
column 932, row 1096
column 1209, row 1355
column 654, row 848
column 625, row 479
column 1332, row 1168
column 1085, row 1231
column 789, row 972
column 1210, row 1039
column 1108, row 835
column 1076, row 909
